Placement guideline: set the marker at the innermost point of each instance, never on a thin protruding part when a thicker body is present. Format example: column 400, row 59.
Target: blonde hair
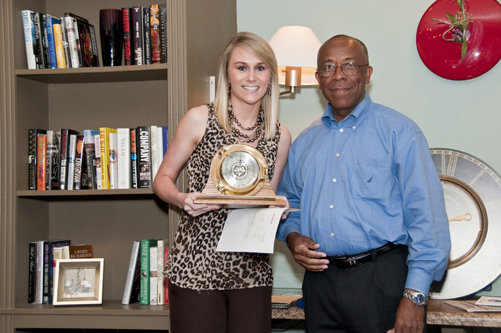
column 259, row 47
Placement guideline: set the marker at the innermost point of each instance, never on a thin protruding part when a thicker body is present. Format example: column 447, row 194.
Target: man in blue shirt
column 372, row 230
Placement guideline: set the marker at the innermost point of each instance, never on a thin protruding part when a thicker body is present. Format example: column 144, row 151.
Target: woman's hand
column 195, row 209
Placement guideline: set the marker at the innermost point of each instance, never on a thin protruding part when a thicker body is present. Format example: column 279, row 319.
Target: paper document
column 250, row 230
column 470, row 306
column 489, row 301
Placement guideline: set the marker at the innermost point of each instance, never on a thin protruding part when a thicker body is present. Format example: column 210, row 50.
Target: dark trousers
column 220, row 311
column 362, row 298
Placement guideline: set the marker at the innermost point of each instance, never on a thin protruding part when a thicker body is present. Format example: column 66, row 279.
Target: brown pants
column 220, row 311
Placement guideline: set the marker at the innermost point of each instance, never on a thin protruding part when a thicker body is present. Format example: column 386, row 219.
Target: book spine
column 79, row 156
column 63, row 151
column 123, row 156
column 113, row 161
column 144, row 296
column 154, row 152
column 160, row 268
column 39, row 39
column 127, row 38
column 52, row 245
column 40, row 268
column 45, row 295
column 147, row 36
column 59, row 45
column 155, row 32
column 32, row 157
column 143, row 142
column 48, row 168
column 77, row 42
column 72, row 44
column 166, row 279
column 29, row 38
column 64, row 35
column 133, row 158
column 93, row 40
column 71, row 161
column 160, row 148
column 97, row 151
column 137, row 35
column 90, row 157
column 126, row 299
column 32, row 272
column 165, row 139
column 104, row 133
column 49, row 22
column 41, row 161
column 76, row 17
column 153, row 275
column 163, row 30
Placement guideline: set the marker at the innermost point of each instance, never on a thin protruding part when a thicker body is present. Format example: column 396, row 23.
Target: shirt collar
column 328, row 117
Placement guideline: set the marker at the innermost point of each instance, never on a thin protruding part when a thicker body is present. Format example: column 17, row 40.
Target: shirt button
column 341, row 130
column 331, row 206
column 334, row 180
column 337, row 155
column 332, row 234
column 354, row 127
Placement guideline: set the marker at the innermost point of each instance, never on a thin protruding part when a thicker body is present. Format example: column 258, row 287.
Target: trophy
column 239, row 178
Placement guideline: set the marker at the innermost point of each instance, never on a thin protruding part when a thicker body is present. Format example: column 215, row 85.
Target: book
column 64, row 156
column 72, row 149
column 40, row 269
column 52, row 245
column 162, row 246
column 32, row 156
column 59, row 45
column 39, row 22
column 72, row 41
column 165, row 139
column 153, row 275
column 113, row 161
column 133, row 158
column 64, row 35
column 97, row 151
column 76, row 17
column 45, row 40
column 155, row 35
column 166, row 279
column 53, row 138
column 137, row 34
column 30, row 39
column 78, row 161
column 144, row 289
column 154, row 152
column 88, row 44
column 127, row 37
column 131, row 290
column 32, row 272
column 41, row 161
column 163, row 30
column 146, row 36
column 50, row 20
column 89, row 167
column 123, row 158
column 143, row 142
column 160, row 147
column 104, row 134
column 81, row 251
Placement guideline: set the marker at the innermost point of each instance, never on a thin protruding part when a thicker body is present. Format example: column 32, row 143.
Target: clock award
column 239, row 178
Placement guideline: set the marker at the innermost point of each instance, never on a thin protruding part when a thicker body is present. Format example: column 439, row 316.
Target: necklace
column 258, row 128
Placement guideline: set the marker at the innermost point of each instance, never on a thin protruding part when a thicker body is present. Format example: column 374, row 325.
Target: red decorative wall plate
column 484, row 44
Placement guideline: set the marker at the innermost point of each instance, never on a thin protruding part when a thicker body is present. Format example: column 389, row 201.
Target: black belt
column 353, row 260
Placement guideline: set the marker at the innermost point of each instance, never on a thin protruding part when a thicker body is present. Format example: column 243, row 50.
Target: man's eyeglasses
column 349, row 68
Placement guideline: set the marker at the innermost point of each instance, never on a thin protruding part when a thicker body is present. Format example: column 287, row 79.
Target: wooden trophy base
column 263, row 198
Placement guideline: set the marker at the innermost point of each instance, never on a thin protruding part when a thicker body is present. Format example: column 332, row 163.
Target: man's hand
column 410, row 318
column 303, row 250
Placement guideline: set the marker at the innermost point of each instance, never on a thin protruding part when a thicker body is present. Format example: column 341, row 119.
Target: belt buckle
column 352, row 261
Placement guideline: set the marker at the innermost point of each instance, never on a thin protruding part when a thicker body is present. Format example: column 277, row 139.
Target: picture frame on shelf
column 78, row 281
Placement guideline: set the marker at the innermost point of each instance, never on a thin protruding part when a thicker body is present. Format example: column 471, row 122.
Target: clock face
column 472, row 193
column 239, row 170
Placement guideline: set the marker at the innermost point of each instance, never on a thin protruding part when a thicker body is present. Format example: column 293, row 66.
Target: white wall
column 462, row 115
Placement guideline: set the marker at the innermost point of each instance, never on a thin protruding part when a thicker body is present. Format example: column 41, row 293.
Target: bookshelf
column 81, row 98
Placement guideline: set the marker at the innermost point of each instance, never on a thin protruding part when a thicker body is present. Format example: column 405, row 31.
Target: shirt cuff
column 282, row 236
column 419, row 280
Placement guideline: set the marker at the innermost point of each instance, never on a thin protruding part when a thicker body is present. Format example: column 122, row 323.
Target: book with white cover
column 72, row 150
column 113, row 161
column 153, row 275
column 124, row 165
column 154, row 153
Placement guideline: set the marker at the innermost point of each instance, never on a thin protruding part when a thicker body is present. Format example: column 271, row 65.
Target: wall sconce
column 296, row 50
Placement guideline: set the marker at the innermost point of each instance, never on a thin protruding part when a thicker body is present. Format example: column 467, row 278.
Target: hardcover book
column 153, row 275
column 50, row 20
column 131, row 290
column 72, row 41
column 127, row 37
column 79, row 158
column 39, row 21
column 32, row 156
column 123, row 155
column 97, row 149
column 64, row 156
column 53, row 138
column 162, row 246
column 89, row 167
column 72, row 149
column 104, row 134
column 154, row 152
column 146, row 36
column 143, row 142
column 88, row 44
column 113, row 161
column 155, row 35
column 133, row 158
column 59, row 45
column 30, row 39
column 77, row 251
column 41, row 161
column 32, row 272
column 64, row 34
column 40, row 270
column 52, row 245
column 144, row 295
column 163, row 28
column 137, row 35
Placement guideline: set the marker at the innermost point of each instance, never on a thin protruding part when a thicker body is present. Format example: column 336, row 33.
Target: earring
column 269, row 88
column 229, row 88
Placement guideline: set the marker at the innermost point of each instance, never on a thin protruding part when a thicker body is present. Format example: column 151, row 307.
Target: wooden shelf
column 79, row 193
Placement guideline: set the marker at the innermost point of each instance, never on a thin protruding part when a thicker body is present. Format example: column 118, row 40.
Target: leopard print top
column 193, row 261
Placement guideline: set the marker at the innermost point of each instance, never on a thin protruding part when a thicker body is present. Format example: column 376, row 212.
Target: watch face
column 472, row 195
column 420, row 299
column 238, row 170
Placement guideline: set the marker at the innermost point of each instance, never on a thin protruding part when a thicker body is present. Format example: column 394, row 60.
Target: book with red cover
column 88, row 44
column 32, row 156
column 127, row 37
column 41, row 162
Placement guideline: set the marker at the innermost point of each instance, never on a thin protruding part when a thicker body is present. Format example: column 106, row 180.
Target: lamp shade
column 296, row 46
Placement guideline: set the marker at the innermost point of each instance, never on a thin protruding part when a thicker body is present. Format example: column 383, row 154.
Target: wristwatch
column 416, row 297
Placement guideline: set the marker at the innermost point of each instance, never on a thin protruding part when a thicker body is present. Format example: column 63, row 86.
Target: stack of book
column 108, row 158
column 145, row 281
column 42, row 256
column 70, row 41
column 59, row 42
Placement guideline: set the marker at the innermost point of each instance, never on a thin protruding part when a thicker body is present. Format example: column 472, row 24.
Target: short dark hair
column 364, row 47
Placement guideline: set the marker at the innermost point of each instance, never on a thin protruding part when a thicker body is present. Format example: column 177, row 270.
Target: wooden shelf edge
column 75, row 193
